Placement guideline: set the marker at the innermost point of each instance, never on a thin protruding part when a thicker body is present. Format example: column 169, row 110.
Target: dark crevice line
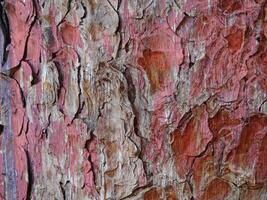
column 1, row 128
column 63, row 190
column 68, row 10
column 85, row 13
column 4, row 25
column 30, row 176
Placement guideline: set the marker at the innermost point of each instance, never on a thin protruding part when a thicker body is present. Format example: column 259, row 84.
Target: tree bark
column 147, row 99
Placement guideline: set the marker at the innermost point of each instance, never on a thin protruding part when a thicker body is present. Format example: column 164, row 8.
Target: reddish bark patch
column 203, row 170
column 152, row 194
column 156, row 66
column 70, row 34
column 191, row 141
column 19, row 15
column 229, row 6
column 161, row 51
column 21, row 170
column 235, row 40
column 203, row 27
column 262, row 60
column 221, row 120
column 216, row 190
column 90, row 165
column 17, row 106
column 34, row 42
column 158, row 193
column 245, row 154
column 170, row 193
column 56, row 144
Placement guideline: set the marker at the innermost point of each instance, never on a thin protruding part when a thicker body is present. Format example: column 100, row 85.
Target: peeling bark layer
column 147, row 99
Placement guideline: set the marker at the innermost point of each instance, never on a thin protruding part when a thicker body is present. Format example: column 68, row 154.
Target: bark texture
column 133, row 99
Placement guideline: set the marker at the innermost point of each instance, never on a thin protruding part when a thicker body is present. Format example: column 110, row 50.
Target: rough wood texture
column 133, row 99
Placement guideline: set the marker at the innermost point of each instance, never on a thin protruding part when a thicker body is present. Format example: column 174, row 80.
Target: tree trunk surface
column 133, row 99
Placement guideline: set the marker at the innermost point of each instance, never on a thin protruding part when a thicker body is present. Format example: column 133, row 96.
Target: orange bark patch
column 156, row 66
column 245, row 155
column 170, row 193
column 152, row 194
column 216, row 190
column 167, row 193
column 191, row 141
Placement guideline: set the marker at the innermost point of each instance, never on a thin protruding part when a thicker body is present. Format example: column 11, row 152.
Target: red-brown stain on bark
column 229, row 6
column 167, row 193
column 170, row 193
column 152, row 194
column 221, row 120
column 235, row 40
column 251, row 147
column 202, row 171
column 156, row 66
column 70, row 34
column 216, row 190
column 191, row 141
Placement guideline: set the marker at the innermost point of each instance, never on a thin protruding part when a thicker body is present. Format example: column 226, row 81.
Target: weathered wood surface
column 133, row 99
